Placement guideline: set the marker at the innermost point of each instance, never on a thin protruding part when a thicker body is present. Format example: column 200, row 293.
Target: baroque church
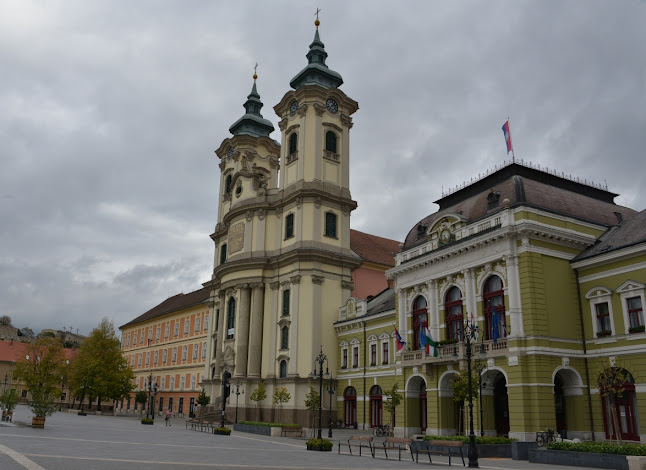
column 547, row 271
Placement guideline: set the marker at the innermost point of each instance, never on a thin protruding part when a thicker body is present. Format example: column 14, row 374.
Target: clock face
column 445, row 235
column 230, row 152
column 331, row 106
column 293, row 107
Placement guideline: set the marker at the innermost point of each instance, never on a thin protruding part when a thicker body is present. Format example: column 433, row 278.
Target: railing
column 447, row 352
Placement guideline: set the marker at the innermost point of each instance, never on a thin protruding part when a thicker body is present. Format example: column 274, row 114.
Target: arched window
column 284, row 337
column 622, row 405
column 453, row 313
column 420, row 318
column 330, row 141
column 293, row 143
column 376, row 406
column 494, row 300
column 350, row 406
column 283, row 369
column 227, row 184
column 330, row 224
column 231, row 317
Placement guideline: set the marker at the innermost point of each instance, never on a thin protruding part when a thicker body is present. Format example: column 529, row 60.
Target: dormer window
column 493, row 200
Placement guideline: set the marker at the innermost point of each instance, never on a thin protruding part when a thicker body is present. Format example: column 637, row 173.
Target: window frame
column 284, row 337
column 453, row 321
column 487, row 296
column 420, row 318
column 231, row 318
column 282, row 369
column 329, row 142
column 289, row 226
column 286, row 302
column 223, row 253
column 331, row 224
column 293, row 143
column 596, row 296
column 385, row 352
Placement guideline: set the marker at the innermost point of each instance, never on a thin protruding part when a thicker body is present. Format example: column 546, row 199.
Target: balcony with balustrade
column 450, row 352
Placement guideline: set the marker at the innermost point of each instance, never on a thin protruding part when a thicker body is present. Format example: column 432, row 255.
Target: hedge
column 465, row 439
column 271, row 425
column 599, row 448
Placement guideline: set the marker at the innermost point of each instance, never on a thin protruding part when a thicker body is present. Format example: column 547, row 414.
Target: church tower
column 283, row 262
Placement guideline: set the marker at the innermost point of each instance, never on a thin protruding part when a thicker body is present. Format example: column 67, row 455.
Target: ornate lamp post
column 320, row 360
column 479, row 368
column 470, row 331
column 225, row 393
column 150, row 393
column 238, row 392
column 331, row 389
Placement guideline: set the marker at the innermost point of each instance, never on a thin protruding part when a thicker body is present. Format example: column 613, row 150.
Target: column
column 242, row 330
column 515, row 307
column 255, row 343
column 270, row 362
column 221, row 331
column 292, row 369
column 403, row 327
column 433, row 310
column 470, row 285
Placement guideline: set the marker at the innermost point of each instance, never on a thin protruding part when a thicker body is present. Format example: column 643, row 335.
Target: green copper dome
column 252, row 123
column 316, row 72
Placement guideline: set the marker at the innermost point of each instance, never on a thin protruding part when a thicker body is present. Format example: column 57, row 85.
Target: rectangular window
column 286, row 302
column 128, row 341
column 203, row 350
column 284, row 340
column 134, row 339
column 373, row 354
column 344, row 359
column 195, row 351
column 217, row 319
column 635, row 312
column 181, row 383
column 206, row 322
column 172, row 383
column 140, row 359
column 330, row 224
column 141, row 339
column 192, row 382
column 158, row 333
column 215, row 348
column 184, row 353
column 150, row 334
column 198, row 320
column 163, row 383
column 165, row 355
column 156, row 358
column 174, row 354
column 187, row 323
column 603, row 318
column 132, row 360
column 176, row 328
column 167, row 332
column 147, row 359
column 355, row 356
column 289, row 226
column 385, row 356
column 223, row 253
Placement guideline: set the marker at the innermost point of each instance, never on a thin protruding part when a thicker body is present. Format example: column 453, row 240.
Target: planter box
column 150, row 424
column 262, row 430
column 578, row 459
column 318, row 448
column 520, row 450
column 490, row 450
column 38, row 422
column 221, row 433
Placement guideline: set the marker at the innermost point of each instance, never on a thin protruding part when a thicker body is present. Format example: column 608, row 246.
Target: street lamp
column 331, row 388
column 6, row 379
column 238, row 392
column 150, row 395
column 225, row 393
column 320, row 360
column 470, row 331
column 479, row 368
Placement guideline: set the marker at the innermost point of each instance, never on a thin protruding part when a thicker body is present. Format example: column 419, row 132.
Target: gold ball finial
column 255, row 76
column 317, row 23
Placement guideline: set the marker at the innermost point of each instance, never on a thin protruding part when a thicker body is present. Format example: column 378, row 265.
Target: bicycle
column 338, row 424
column 543, row 437
column 383, row 430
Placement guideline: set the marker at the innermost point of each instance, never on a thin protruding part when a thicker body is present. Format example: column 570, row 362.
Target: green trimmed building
column 551, row 273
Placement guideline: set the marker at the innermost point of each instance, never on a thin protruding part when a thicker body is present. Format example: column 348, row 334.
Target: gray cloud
column 111, row 112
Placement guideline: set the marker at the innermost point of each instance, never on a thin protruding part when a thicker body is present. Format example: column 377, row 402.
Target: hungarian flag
column 426, row 341
column 398, row 338
column 505, row 130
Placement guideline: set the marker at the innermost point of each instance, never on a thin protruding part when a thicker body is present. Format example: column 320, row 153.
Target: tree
column 5, row 320
column 100, row 370
column 27, row 332
column 612, row 385
column 203, row 400
column 9, row 399
column 312, row 400
column 258, row 395
column 281, row 395
column 41, row 371
column 460, row 387
column 394, row 400
column 141, row 397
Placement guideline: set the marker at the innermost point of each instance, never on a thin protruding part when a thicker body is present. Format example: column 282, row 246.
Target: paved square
column 71, row 442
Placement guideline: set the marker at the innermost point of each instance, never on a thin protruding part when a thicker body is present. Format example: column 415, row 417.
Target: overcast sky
column 110, row 112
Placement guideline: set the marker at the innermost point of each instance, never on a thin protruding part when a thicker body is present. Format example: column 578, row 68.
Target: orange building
column 168, row 343
column 377, row 255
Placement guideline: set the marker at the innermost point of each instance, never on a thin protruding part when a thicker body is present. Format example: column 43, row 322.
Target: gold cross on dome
column 317, row 13
column 255, row 69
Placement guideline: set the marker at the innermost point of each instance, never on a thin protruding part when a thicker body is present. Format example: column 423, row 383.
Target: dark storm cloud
column 111, row 112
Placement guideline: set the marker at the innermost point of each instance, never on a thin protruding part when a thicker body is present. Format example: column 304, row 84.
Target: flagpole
column 513, row 157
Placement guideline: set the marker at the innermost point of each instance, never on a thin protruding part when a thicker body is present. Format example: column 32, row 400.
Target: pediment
column 630, row 286
column 598, row 292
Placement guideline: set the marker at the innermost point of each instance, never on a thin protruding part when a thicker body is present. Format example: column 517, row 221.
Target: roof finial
column 317, row 22
column 255, row 70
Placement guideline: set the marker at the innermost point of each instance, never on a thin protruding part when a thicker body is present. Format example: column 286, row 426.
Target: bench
column 394, row 443
column 438, row 447
column 362, row 442
column 284, row 430
column 207, row 421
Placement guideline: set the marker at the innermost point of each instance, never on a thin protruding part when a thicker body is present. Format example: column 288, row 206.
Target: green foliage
column 9, row 399
column 41, row 371
column 599, row 448
column 394, row 400
column 141, row 397
column 319, row 444
column 203, row 399
column 100, row 370
column 258, row 395
column 312, row 399
column 460, row 386
column 48, row 334
column 281, row 395
column 222, row 430
column 262, row 423
column 465, row 439
column 5, row 320
column 147, row 420
column 27, row 332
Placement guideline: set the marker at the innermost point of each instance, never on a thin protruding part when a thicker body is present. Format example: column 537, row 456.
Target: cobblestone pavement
column 71, row 442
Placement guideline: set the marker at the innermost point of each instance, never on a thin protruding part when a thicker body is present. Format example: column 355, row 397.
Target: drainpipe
column 365, row 361
column 585, row 351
